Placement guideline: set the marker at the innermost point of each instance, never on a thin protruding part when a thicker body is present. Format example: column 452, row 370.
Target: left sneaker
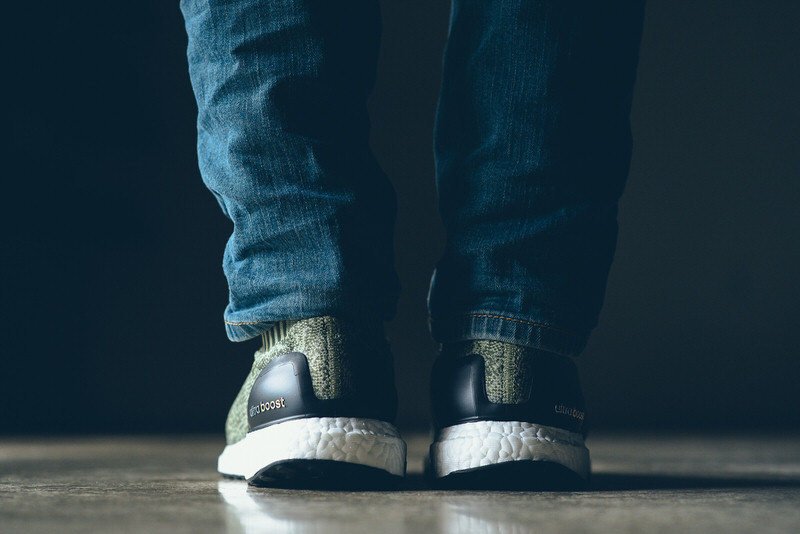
column 507, row 417
column 316, row 409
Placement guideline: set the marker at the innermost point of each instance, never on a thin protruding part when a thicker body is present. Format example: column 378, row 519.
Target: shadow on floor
column 601, row 482
column 636, row 482
column 607, row 482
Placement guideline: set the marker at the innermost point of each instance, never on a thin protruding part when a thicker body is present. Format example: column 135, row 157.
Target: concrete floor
column 168, row 484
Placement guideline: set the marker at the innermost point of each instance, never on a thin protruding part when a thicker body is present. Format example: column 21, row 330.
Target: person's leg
column 281, row 88
column 533, row 146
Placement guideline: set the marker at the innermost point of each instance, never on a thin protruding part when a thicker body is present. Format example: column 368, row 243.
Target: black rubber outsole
column 520, row 475
column 326, row 475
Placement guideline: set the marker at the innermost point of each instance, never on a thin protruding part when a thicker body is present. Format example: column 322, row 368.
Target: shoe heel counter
column 553, row 397
column 284, row 390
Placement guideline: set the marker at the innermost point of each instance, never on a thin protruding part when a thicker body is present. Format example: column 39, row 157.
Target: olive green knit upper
column 332, row 347
column 509, row 368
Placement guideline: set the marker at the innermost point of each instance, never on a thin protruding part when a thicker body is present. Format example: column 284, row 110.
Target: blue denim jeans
column 532, row 147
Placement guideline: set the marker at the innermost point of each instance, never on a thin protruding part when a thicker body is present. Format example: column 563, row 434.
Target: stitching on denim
column 518, row 321
column 242, row 324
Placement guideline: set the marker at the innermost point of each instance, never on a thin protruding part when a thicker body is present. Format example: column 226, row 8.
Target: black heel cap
column 458, row 394
column 283, row 391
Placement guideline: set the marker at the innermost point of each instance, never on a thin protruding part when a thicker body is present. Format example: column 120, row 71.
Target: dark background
column 113, row 291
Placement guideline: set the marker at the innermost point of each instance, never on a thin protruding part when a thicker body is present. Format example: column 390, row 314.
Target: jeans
column 532, row 149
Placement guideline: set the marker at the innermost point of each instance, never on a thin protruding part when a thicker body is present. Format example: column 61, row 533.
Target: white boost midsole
column 481, row 443
column 345, row 439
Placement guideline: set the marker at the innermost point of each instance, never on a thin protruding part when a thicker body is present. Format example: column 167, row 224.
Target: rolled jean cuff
column 508, row 330
column 365, row 321
column 245, row 331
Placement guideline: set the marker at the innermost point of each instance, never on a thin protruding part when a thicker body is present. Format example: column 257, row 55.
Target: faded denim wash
column 532, row 147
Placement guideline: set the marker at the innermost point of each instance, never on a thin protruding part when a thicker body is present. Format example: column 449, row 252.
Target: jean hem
column 509, row 330
column 245, row 331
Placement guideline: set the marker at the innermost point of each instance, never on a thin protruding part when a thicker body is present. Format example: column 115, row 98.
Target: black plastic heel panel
column 458, row 394
column 283, row 391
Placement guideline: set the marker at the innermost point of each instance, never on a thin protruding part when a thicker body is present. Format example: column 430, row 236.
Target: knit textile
column 333, row 348
column 509, row 367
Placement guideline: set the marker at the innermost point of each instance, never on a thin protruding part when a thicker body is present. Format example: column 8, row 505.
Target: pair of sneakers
column 318, row 404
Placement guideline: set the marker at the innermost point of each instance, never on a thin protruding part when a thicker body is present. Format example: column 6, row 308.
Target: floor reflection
column 466, row 517
column 416, row 508
column 276, row 511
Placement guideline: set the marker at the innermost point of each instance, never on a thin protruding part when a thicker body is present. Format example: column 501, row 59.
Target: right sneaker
column 507, row 417
column 316, row 409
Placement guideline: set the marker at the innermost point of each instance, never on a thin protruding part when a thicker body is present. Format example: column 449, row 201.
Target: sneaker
column 508, row 417
column 316, row 409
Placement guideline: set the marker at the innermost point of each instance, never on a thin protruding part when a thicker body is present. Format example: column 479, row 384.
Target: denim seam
column 518, row 321
column 490, row 316
column 256, row 322
column 474, row 326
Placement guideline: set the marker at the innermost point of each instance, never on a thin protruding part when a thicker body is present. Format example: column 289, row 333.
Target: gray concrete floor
column 168, row 484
